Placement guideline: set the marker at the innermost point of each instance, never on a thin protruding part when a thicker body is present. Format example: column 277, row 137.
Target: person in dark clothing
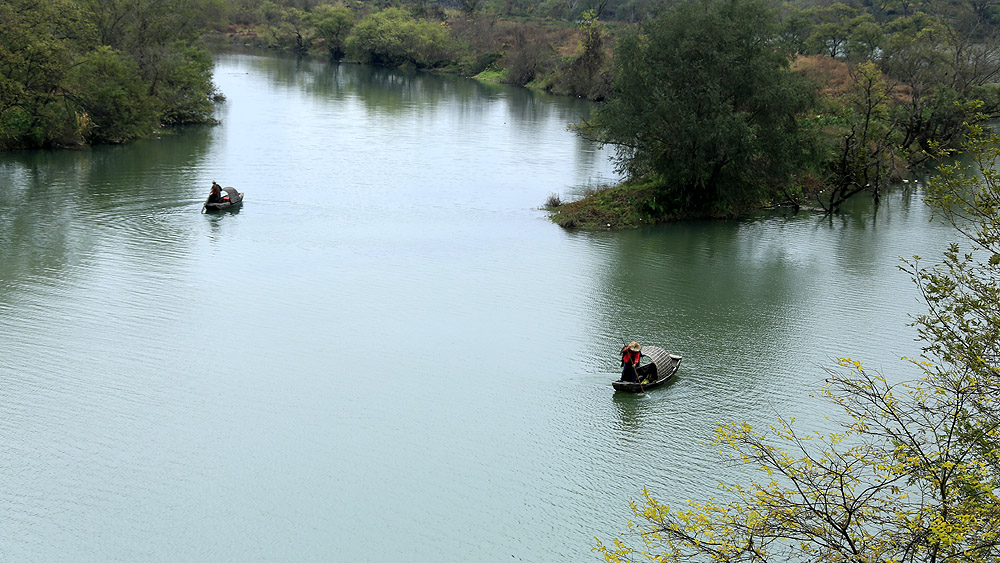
column 215, row 195
column 631, row 353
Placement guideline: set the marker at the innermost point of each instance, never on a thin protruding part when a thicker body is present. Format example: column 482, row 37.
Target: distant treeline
column 720, row 105
column 714, row 106
column 468, row 38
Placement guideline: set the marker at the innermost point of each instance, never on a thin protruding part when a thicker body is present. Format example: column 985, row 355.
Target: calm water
column 390, row 354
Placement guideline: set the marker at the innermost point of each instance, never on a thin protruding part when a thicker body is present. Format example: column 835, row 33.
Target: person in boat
column 631, row 353
column 215, row 194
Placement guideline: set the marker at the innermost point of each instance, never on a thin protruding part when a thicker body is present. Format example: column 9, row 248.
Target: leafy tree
column 913, row 475
column 139, row 27
column 585, row 73
column 795, row 29
column 186, row 91
column 36, row 50
column 107, row 88
column 899, row 7
column 525, row 56
column 938, row 66
column 332, row 24
column 862, row 138
column 393, row 38
column 963, row 294
column 832, row 30
column 294, row 20
column 864, row 41
column 469, row 7
column 635, row 11
column 703, row 102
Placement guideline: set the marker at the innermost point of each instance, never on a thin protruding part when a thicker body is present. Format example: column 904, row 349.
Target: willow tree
column 704, row 104
column 913, row 474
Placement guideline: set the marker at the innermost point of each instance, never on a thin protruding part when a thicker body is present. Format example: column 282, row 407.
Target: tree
column 585, row 75
column 963, row 293
column 703, row 103
column 106, row 87
column 525, row 55
column 939, row 66
column 469, row 7
column 864, row 42
column 36, row 50
column 186, row 92
column 862, row 137
column 393, row 38
column 832, row 31
column 332, row 24
column 914, row 474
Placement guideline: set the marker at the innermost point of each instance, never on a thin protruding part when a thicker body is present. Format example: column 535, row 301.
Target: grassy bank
column 627, row 206
column 616, row 207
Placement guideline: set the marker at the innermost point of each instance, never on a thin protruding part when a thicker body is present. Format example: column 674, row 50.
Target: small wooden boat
column 660, row 368
column 232, row 199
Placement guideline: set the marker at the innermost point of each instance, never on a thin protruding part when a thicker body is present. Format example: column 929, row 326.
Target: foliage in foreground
column 913, row 474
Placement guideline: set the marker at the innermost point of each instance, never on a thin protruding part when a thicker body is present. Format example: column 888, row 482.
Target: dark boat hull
column 655, row 373
column 219, row 206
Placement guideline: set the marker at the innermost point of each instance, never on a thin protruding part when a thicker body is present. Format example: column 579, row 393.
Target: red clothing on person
column 630, row 356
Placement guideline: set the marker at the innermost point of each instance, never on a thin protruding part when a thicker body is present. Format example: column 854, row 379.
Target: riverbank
column 541, row 53
column 623, row 206
column 628, row 206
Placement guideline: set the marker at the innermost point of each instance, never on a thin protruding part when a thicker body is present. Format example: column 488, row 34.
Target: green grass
column 615, row 207
column 491, row 74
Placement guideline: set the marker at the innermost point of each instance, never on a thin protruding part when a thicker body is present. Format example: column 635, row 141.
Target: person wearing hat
column 631, row 353
column 215, row 195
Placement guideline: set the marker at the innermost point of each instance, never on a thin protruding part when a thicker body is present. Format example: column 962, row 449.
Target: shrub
column 393, row 38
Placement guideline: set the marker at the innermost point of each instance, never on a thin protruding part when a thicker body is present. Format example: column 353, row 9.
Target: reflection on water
column 389, row 334
column 56, row 206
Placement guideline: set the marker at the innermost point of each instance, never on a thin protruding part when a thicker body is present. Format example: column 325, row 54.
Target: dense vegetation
column 725, row 112
column 100, row 71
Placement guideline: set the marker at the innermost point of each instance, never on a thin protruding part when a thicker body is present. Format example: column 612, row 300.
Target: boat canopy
column 656, row 355
column 232, row 193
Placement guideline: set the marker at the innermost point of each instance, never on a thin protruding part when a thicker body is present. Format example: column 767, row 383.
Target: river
column 389, row 353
